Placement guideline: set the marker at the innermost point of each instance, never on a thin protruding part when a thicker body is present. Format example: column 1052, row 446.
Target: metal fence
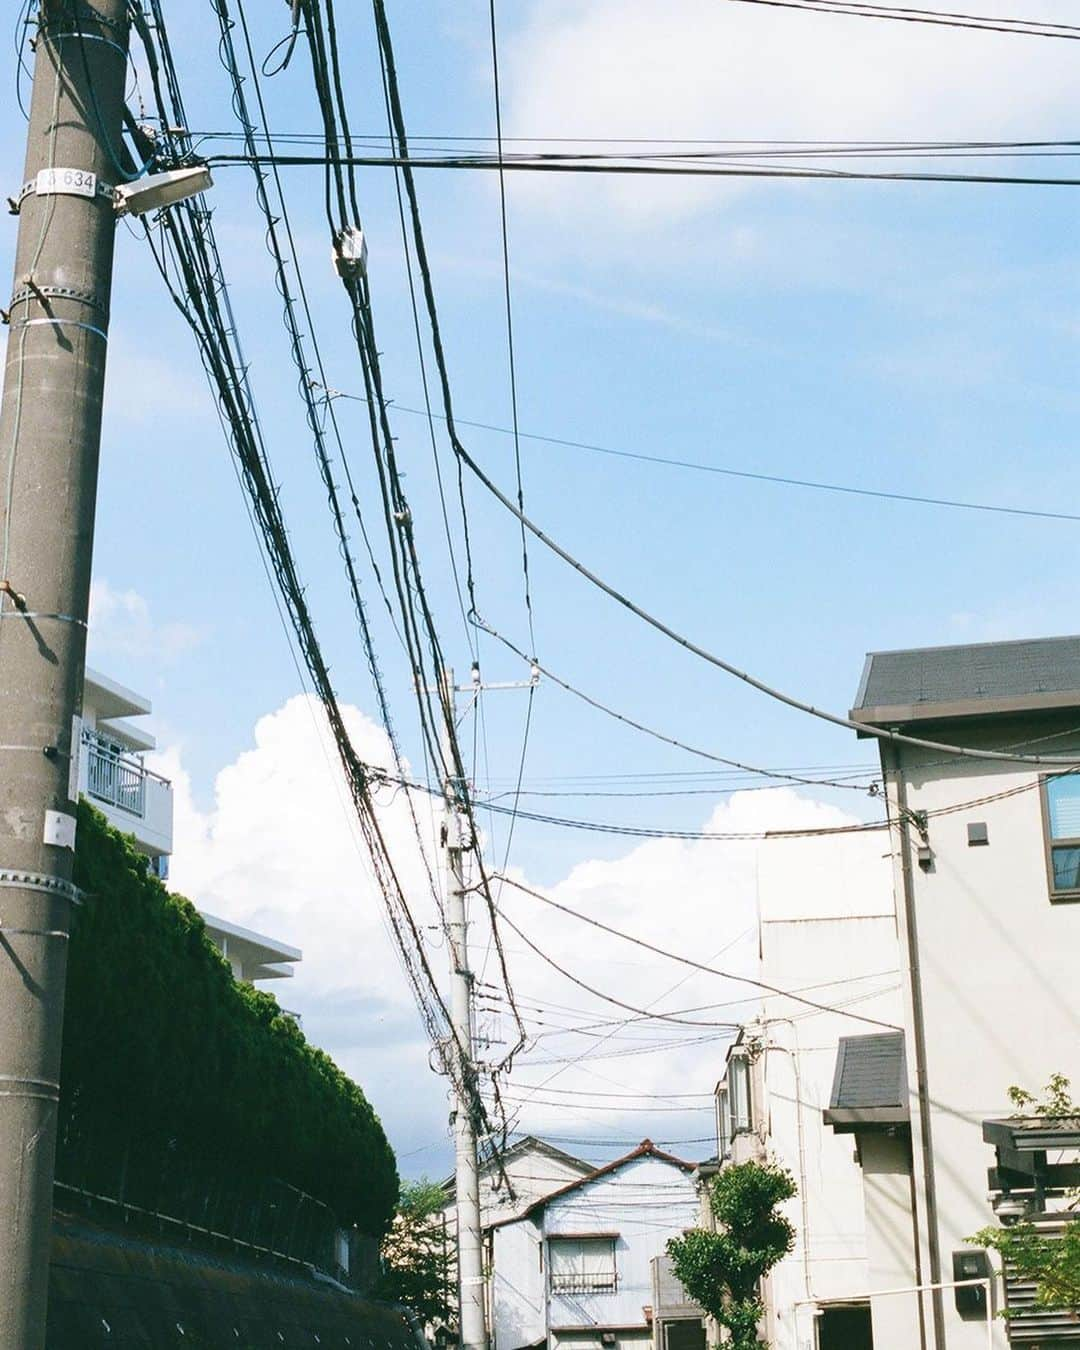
column 114, row 777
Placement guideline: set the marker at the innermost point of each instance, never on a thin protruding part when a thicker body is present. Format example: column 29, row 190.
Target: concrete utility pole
column 472, row 1322
column 470, row 1253
column 50, row 431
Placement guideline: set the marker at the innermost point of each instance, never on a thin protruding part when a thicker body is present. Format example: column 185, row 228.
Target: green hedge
column 171, row 1066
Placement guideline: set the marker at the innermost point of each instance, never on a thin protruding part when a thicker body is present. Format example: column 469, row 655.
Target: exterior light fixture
column 157, row 190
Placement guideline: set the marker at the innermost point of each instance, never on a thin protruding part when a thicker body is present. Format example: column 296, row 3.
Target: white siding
column 998, row 961
column 644, row 1203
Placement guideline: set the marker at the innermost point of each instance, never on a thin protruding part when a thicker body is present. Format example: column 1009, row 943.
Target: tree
column 417, row 1256
column 1052, row 1261
column 722, row 1271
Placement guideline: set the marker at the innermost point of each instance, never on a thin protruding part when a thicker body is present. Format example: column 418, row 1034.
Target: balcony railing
column 115, row 777
column 576, row 1282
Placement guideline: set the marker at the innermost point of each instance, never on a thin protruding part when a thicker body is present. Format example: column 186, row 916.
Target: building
column 825, row 906
column 576, row 1269
column 533, row 1167
column 111, row 772
column 987, row 878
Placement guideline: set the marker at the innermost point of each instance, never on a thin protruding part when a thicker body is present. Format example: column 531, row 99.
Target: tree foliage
column 1050, row 1260
column 170, row 1064
column 722, row 1270
column 417, row 1256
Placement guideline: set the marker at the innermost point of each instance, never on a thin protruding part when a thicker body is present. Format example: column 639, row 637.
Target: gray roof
column 870, row 1087
column 973, row 680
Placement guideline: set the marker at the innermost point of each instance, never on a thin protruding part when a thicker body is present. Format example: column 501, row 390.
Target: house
column 533, row 1168
column 986, row 826
column 825, row 919
column 575, row 1270
column 111, row 772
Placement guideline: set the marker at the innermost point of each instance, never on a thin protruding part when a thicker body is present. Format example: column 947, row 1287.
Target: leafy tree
column 1052, row 1261
column 417, row 1257
column 722, row 1271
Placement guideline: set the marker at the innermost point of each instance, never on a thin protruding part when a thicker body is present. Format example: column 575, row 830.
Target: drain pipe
column 793, row 1055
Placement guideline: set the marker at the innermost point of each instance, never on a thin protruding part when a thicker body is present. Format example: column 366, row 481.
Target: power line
column 686, row 960
column 589, row 165
column 660, row 832
column 726, row 471
column 939, row 18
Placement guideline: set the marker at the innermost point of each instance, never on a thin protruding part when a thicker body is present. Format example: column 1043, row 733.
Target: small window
column 582, row 1265
column 723, row 1123
column 738, row 1077
column 1061, row 812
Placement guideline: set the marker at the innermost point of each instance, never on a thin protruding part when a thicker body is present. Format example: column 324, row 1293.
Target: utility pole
column 50, row 432
column 472, row 1324
column 470, row 1253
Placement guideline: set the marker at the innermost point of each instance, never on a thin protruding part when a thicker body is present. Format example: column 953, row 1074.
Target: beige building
column 987, row 880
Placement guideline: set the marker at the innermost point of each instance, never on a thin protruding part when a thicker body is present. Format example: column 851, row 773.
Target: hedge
column 170, row 1065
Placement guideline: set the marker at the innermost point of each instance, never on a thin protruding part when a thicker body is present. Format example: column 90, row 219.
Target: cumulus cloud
column 279, row 852
column 121, row 626
column 698, row 69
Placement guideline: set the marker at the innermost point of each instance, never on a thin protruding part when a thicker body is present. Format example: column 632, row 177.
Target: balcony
column 134, row 799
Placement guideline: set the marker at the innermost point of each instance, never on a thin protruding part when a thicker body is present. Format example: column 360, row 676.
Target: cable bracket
column 27, row 292
column 18, row 880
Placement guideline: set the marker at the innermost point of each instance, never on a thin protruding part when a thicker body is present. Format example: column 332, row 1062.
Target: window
column 581, row 1265
column 738, row 1078
column 723, row 1123
column 1061, row 813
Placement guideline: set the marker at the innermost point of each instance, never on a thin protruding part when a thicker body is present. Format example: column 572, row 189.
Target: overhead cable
column 687, row 960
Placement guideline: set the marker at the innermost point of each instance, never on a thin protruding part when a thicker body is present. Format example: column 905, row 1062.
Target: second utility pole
column 470, row 1253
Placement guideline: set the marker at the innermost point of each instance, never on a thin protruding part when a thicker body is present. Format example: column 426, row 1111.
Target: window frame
column 1069, row 895
column 723, row 1122
column 578, row 1285
column 741, row 1123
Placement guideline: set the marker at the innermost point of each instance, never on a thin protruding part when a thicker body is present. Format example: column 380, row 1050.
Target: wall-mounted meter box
column 972, row 1263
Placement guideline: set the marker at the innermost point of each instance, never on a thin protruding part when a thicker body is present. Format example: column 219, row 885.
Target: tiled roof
column 870, row 1087
column 977, row 678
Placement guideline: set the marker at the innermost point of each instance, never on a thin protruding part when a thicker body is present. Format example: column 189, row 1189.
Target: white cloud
column 278, row 852
column 121, row 626
column 729, row 71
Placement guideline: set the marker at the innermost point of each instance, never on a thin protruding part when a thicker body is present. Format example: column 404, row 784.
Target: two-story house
column 575, row 1270
column 985, row 815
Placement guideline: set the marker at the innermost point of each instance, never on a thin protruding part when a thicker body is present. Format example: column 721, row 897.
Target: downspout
column 891, row 760
column 804, row 1199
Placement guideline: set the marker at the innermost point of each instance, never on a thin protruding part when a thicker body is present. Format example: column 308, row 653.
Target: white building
column 534, row 1169
column 825, row 920
column 575, row 1270
column 987, row 880
column 111, row 773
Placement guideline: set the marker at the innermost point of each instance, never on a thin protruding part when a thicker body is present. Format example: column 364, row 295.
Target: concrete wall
column 827, row 918
column 998, row 973
column 886, row 1176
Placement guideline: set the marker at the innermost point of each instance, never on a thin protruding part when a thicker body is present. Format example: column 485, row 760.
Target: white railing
column 115, row 777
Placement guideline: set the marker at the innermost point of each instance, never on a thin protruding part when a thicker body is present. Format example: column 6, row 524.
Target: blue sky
column 914, row 338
